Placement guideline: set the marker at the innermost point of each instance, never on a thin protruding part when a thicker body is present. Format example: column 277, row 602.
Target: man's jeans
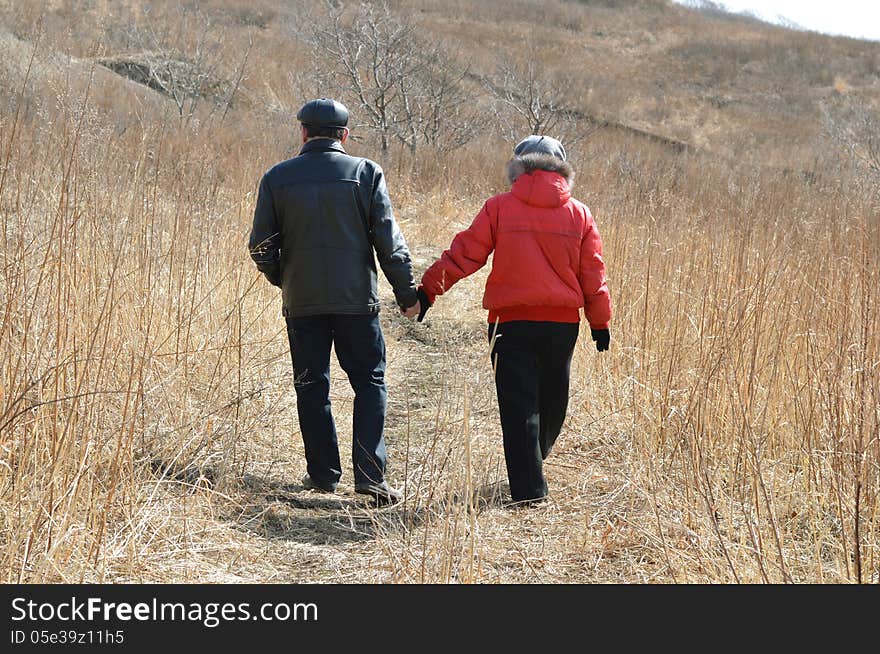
column 532, row 361
column 360, row 349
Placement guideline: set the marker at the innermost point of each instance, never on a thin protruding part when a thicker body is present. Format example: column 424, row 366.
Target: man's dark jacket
column 319, row 216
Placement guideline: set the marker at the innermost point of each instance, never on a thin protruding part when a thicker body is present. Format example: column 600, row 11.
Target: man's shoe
column 310, row 484
column 383, row 493
column 529, row 502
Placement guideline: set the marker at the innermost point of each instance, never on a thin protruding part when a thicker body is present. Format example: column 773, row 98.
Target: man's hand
column 412, row 311
column 602, row 338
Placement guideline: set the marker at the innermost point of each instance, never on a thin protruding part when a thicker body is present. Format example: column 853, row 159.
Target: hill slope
column 719, row 82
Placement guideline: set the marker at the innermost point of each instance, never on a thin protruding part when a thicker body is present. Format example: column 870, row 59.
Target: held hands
column 420, row 308
column 412, row 311
column 602, row 338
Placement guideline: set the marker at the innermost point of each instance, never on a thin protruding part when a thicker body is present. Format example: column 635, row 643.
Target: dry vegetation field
column 147, row 419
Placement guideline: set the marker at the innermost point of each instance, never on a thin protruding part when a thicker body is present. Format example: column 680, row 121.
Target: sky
column 856, row 18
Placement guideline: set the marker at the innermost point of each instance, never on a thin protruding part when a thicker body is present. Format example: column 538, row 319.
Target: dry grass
column 147, row 427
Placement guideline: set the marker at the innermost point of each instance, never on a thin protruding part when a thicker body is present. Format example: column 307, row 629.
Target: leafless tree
column 404, row 88
column 448, row 118
column 527, row 100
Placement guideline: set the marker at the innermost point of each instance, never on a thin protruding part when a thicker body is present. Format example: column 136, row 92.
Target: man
column 318, row 219
column 547, row 265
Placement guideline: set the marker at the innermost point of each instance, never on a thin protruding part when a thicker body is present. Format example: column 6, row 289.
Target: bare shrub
column 854, row 128
column 183, row 61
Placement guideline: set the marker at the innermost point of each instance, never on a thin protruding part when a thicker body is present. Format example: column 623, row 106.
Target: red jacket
column 548, row 255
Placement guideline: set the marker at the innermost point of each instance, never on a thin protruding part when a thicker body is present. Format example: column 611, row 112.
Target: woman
column 548, row 263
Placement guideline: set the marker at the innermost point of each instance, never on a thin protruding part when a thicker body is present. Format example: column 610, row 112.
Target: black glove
column 274, row 277
column 602, row 338
column 424, row 303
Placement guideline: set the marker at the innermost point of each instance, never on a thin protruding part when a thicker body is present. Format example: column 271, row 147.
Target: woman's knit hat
column 536, row 144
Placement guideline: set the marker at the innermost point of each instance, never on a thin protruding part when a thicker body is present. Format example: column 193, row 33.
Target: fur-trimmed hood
column 540, row 180
column 528, row 163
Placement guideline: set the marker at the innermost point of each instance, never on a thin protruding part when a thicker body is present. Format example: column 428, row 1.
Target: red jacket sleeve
column 597, row 299
column 468, row 253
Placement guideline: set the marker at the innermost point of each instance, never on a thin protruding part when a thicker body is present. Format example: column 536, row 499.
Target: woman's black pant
column 532, row 362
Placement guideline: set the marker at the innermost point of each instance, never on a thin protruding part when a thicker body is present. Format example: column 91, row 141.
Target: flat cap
column 323, row 112
column 540, row 144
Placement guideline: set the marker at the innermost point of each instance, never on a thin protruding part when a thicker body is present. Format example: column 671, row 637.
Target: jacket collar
column 322, row 145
